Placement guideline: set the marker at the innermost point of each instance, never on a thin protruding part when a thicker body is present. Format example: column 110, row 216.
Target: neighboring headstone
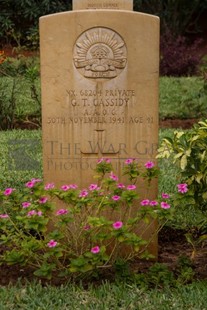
column 103, row 4
column 99, row 77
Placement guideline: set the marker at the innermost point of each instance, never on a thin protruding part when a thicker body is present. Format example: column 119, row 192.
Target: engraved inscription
column 102, row 5
column 95, row 119
column 100, row 53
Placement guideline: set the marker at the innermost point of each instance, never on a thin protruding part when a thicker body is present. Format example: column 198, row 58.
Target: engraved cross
column 100, row 147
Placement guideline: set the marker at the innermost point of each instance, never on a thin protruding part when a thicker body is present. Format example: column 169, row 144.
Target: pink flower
column 65, row 187
column 165, row 196
column 165, row 205
column 120, row 185
column 52, row 243
column 39, row 213
column 87, row 227
column 4, row 216
column 95, row 250
column 129, row 161
column 30, row 184
column 49, row 186
column 31, row 213
column 149, row 165
column 36, row 180
column 83, row 193
column 107, row 160
column 153, row 203
column 117, row 225
column 73, row 186
column 131, row 187
column 61, row 212
column 115, row 197
column 8, row 191
column 93, row 187
column 182, row 188
column 113, row 176
column 145, row 202
column 26, row 204
column 43, row 199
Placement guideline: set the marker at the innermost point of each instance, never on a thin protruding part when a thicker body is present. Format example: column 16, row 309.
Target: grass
column 120, row 296
column 18, row 91
column 20, row 157
column 182, row 97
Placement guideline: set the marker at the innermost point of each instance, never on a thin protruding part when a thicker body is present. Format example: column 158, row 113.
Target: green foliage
column 90, row 228
column 188, row 151
column 180, row 17
column 183, row 97
column 19, row 19
column 19, row 91
column 159, row 275
column 184, row 271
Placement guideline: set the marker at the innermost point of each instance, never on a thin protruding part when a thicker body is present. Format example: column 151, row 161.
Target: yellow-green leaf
column 183, row 162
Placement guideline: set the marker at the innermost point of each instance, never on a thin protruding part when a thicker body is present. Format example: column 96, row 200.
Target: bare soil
column 172, row 246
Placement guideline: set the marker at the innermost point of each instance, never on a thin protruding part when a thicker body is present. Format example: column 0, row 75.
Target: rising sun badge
column 100, row 53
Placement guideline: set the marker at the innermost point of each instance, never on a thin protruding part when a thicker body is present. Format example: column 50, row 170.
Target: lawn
column 117, row 296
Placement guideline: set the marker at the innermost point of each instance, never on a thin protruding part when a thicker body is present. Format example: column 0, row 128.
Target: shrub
column 178, row 56
column 19, row 19
column 188, row 151
column 181, row 17
column 87, row 231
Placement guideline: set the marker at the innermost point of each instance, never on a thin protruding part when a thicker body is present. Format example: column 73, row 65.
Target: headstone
column 99, row 80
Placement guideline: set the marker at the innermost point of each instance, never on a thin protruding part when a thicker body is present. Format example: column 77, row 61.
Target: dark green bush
column 179, row 16
column 19, row 19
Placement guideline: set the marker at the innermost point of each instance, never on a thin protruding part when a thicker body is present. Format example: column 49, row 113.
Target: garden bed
column 172, row 246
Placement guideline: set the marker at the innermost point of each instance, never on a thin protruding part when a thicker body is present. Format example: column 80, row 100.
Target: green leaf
column 86, row 268
column 14, row 257
column 198, row 177
column 121, row 238
column 45, row 271
column 183, row 162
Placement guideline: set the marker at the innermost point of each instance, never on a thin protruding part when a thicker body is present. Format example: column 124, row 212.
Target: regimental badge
column 100, row 53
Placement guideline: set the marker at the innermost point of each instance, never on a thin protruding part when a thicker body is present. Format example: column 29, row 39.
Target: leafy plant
column 188, row 150
column 87, row 231
column 184, row 270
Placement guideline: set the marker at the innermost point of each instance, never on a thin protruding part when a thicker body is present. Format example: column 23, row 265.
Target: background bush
column 178, row 16
column 19, row 19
